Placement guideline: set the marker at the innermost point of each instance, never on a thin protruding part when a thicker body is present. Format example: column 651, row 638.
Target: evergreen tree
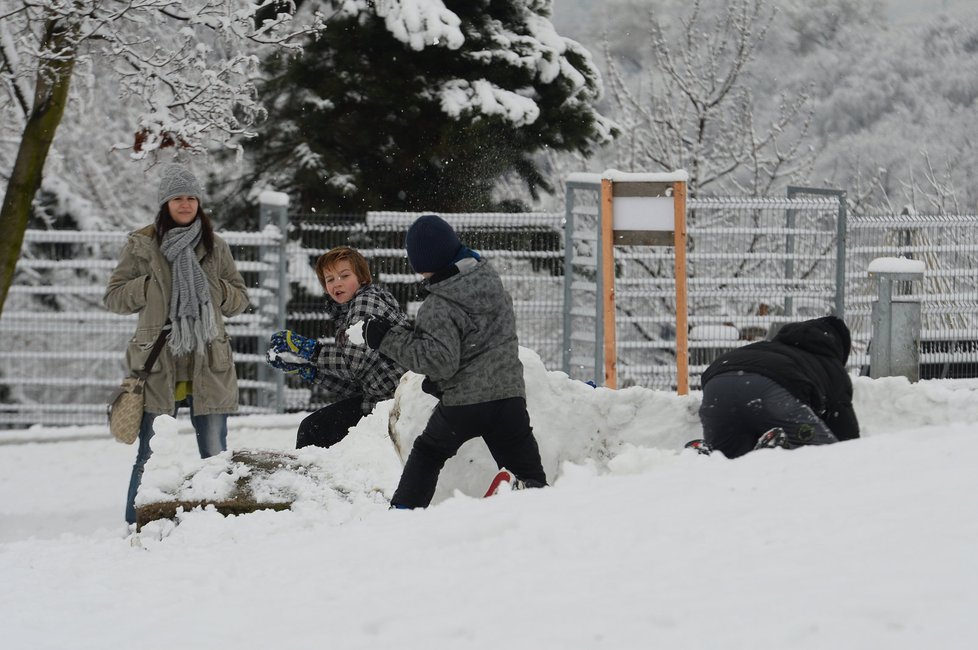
column 419, row 104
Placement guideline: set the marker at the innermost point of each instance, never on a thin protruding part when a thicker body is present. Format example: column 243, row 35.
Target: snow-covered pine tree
column 425, row 104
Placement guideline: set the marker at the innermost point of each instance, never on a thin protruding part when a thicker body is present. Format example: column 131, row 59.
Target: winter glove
column 374, row 331
column 431, row 388
column 307, row 372
column 288, row 341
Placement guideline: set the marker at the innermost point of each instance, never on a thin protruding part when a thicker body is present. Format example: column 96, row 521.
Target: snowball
column 355, row 333
column 287, row 357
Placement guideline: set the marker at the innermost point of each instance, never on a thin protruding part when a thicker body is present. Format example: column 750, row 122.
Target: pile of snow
column 867, row 543
column 308, row 478
column 572, row 421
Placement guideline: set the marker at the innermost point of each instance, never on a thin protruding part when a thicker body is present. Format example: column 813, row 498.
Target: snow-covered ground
column 866, row 544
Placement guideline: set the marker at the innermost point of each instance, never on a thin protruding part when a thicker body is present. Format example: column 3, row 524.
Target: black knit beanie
column 431, row 244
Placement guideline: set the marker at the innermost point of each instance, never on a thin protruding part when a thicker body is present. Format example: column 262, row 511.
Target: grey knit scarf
column 190, row 297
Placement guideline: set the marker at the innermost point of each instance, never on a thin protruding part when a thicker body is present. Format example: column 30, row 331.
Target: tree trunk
column 50, row 97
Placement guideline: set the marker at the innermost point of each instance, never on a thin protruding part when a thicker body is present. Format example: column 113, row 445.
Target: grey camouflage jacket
column 345, row 369
column 464, row 338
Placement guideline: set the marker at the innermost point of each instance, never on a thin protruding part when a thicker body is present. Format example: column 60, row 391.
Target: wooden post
column 608, row 280
column 682, row 324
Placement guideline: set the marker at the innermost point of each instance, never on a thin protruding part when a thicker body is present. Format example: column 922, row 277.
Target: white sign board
column 644, row 213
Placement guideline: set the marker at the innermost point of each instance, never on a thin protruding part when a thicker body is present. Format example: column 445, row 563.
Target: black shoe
column 701, row 446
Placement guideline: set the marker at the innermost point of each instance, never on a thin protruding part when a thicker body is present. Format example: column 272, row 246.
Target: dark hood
column 827, row 336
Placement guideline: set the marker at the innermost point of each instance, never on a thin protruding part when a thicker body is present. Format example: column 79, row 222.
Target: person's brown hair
column 164, row 222
column 333, row 256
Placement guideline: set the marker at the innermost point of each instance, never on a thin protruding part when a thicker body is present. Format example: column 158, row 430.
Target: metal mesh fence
column 756, row 263
column 62, row 353
column 948, row 245
column 751, row 263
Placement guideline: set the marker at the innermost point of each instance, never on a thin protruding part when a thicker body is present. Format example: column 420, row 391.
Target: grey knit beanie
column 177, row 180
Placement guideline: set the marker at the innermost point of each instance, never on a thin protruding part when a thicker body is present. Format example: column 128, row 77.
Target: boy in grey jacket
column 464, row 342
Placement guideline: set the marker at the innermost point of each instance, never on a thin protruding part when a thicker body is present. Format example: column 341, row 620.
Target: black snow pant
column 503, row 424
column 739, row 407
column 330, row 424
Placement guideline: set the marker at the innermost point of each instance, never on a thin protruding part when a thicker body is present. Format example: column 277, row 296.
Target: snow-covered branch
column 696, row 110
column 189, row 66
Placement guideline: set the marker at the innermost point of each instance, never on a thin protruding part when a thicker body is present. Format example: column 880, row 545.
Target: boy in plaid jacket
column 358, row 375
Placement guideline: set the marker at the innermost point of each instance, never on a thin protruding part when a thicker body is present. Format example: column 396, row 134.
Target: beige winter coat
column 141, row 283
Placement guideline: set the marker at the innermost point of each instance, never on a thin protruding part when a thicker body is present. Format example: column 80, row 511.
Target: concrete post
column 895, row 347
column 273, row 215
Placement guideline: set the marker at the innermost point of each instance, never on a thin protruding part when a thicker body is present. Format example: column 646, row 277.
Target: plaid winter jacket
column 345, row 369
column 464, row 338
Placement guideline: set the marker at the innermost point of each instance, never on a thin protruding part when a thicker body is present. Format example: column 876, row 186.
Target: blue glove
column 374, row 331
column 289, row 341
column 308, row 373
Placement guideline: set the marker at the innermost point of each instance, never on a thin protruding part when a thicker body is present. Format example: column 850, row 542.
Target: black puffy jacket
column 808, row 359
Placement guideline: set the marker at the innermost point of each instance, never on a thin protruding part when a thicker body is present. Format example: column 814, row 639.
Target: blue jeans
column 212, row 439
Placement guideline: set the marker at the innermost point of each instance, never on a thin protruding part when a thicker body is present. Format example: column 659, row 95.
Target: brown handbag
column 125, row 409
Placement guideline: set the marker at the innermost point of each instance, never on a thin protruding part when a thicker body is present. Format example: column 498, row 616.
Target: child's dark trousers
column 330, row 424
column 503, row 424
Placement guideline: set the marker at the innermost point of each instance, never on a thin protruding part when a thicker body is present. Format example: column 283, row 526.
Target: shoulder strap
column 155, row 352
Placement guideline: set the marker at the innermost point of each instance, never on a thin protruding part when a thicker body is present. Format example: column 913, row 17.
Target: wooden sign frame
column 644, row 187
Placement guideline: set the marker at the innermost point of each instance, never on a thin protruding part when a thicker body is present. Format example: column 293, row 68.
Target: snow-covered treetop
column 189, row 65
column 459, row 94
column 155, row 79
column 528, row 42
column 418, row 23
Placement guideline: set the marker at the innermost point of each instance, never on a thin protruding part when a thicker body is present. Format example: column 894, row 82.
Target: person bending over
column 796, row 383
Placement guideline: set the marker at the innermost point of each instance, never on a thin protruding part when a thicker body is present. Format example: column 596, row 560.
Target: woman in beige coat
column 177, row 271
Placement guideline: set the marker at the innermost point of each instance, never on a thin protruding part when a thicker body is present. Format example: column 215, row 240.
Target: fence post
column 841, row 230
column 273, row 214
column 841, row 244
column 566, row 346
column 576, row 221
column 895, row 347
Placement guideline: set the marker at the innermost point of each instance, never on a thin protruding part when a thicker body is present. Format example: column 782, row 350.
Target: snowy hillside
column 865, row 544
